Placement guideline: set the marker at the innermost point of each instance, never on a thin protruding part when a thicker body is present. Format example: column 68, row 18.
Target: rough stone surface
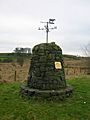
column 45, row 76
column 42, row 73
column 49, row 94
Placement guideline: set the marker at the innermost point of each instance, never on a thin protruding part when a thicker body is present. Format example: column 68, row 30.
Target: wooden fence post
column 15, row 75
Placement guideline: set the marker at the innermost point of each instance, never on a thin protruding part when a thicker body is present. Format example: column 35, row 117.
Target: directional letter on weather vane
column 46, row 27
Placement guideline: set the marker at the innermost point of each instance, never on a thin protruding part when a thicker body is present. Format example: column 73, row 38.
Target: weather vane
column 47, row 29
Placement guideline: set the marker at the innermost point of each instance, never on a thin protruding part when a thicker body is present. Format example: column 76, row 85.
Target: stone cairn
column 46, row 75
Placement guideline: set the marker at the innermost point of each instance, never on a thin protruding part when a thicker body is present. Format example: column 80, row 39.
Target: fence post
column 15, row 75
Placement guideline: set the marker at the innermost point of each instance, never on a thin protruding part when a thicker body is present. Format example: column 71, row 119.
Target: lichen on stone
column 43, row 74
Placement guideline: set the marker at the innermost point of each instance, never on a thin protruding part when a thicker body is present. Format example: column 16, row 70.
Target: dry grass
column 7, row 72
column 76, row 67
column 72, row 69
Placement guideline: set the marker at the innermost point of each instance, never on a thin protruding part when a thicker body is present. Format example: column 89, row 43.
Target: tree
column 20, row 60
column 87, row 54
column 22, row 50
column 19, row 50
column 20, row 56
column 87, row 50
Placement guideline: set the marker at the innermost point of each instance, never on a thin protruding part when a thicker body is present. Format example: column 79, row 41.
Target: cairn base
column 61, row 94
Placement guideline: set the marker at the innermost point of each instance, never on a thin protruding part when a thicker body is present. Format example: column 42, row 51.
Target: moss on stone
column 43, row 74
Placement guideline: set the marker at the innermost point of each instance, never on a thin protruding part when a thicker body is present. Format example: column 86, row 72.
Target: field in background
column 14, row 107
column 11, row 71
column 76, row 107
column 76, row 65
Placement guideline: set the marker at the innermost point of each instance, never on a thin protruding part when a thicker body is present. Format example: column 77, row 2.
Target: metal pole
column 51, row 21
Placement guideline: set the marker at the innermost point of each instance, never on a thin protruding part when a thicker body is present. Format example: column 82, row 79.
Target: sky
column 20, row 19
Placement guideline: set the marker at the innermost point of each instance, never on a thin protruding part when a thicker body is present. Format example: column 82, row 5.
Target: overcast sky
column 20, row 19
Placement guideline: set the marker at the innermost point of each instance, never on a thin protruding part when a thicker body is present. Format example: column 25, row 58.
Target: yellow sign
column 58, row 65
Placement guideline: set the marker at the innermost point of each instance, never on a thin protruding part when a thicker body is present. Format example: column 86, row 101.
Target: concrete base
column 61, row 94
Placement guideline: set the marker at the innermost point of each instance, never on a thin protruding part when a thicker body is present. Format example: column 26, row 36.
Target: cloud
column 20, row 19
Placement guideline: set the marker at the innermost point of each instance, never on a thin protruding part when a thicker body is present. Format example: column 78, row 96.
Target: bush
column 6, row 60
column 20, row 60
column 0, row 60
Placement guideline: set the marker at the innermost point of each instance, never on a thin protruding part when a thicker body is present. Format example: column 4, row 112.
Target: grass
column 77, row 107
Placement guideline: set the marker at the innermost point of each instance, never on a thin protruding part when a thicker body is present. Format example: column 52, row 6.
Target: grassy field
column 77, row 107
